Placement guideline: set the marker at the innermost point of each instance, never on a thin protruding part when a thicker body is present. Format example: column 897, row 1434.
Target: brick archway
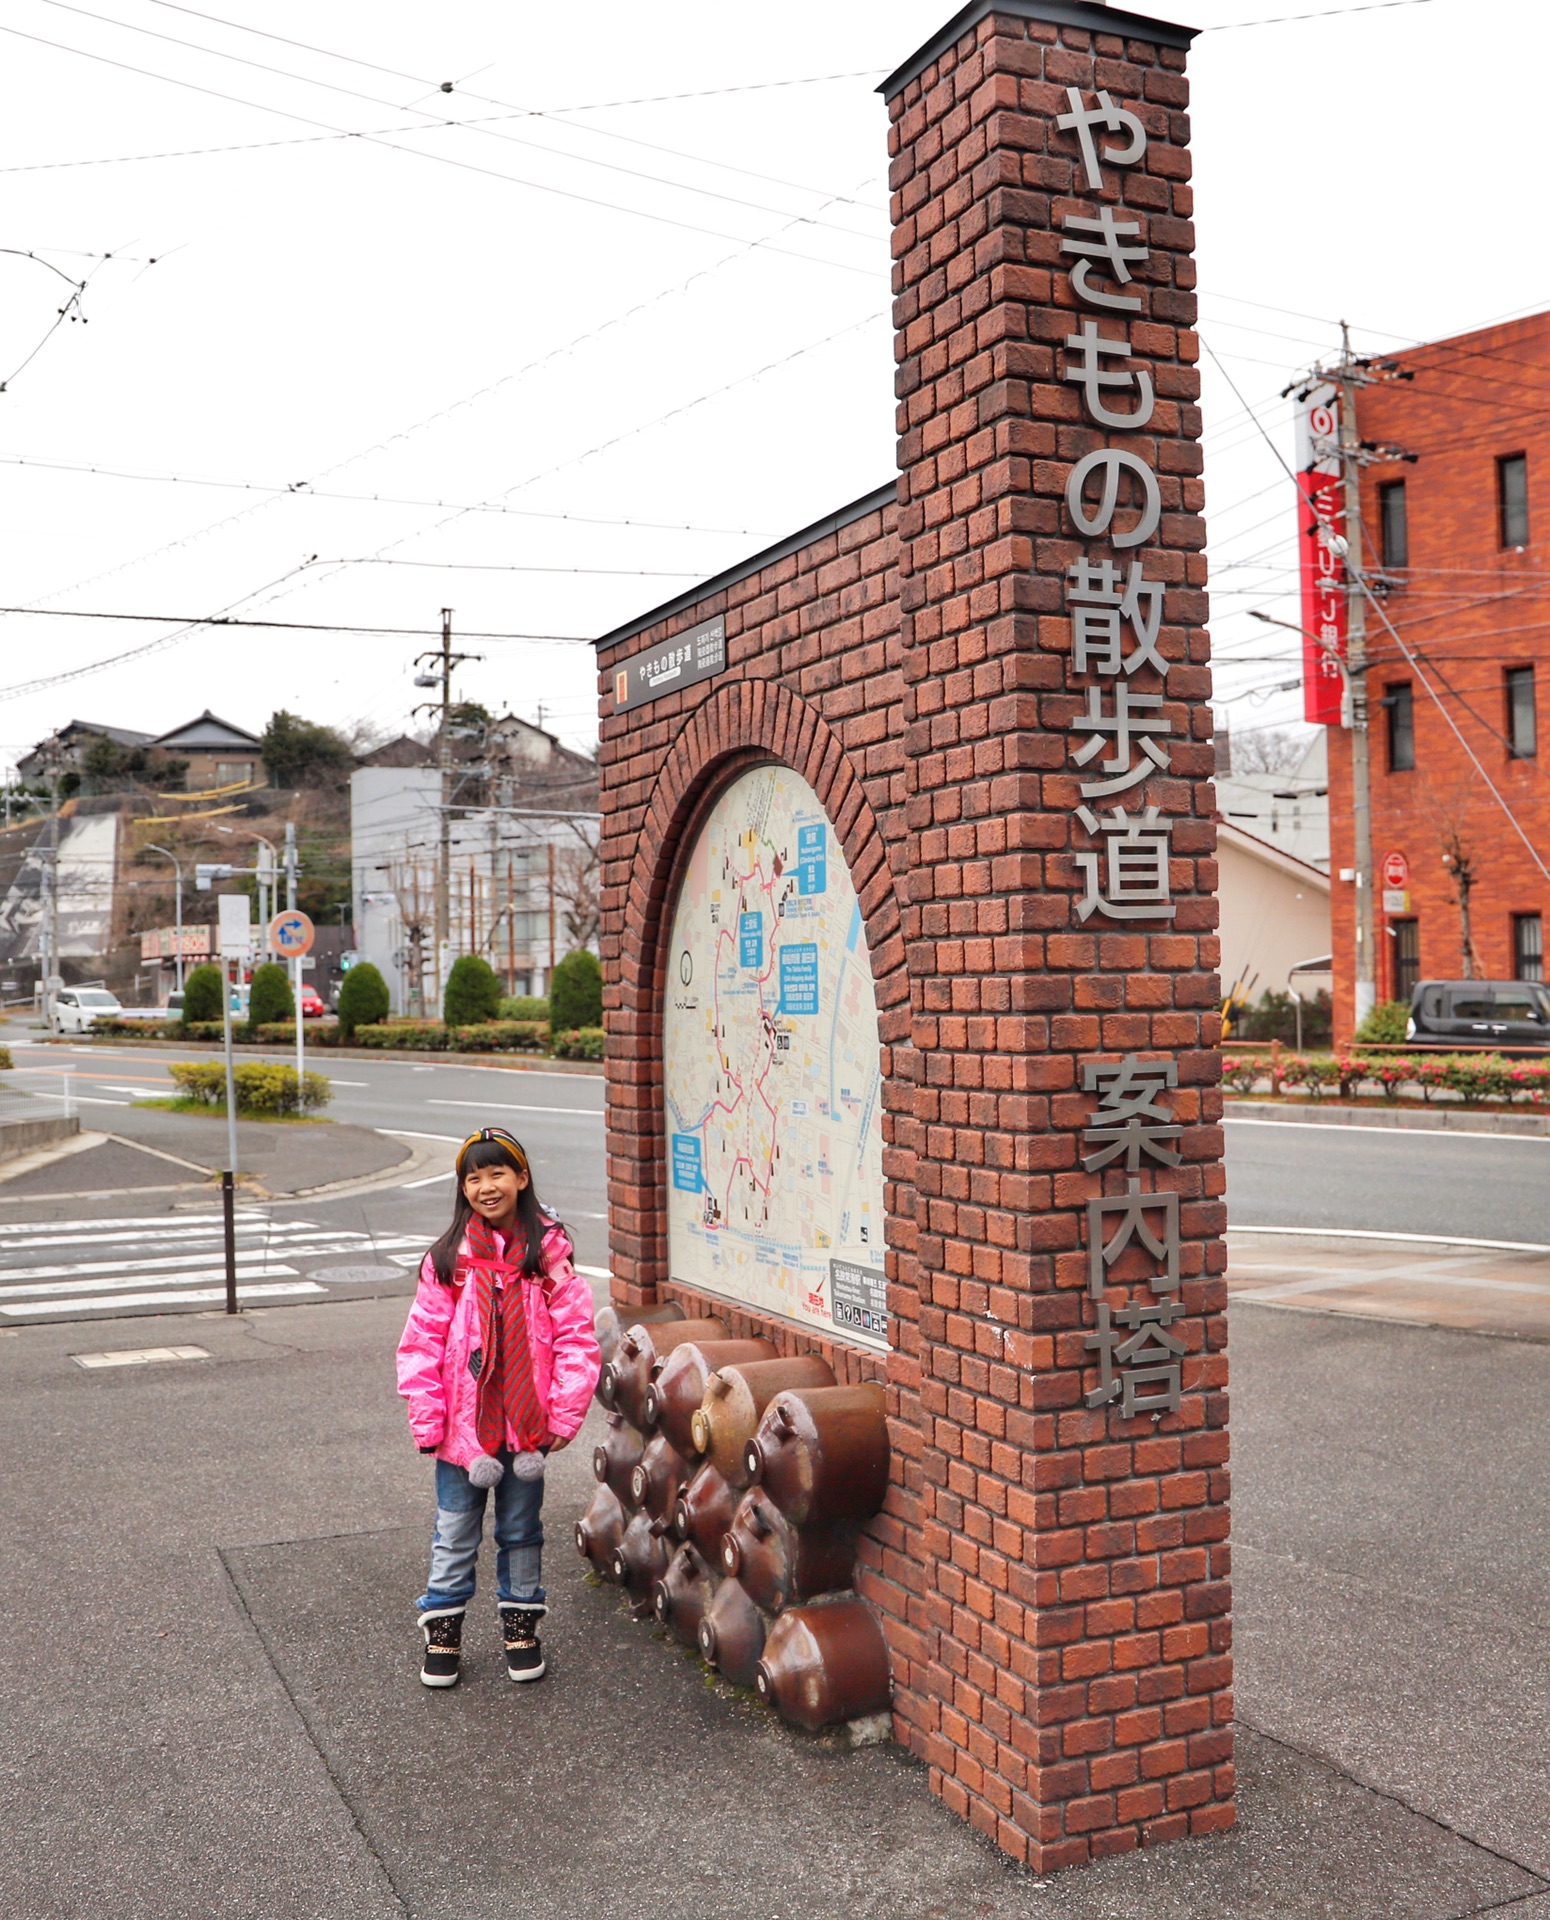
column 741, row 726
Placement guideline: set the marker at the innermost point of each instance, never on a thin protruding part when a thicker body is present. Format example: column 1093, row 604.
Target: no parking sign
column 290, row 934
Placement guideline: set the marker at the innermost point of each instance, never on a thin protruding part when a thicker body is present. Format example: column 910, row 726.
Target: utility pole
column 439, row 666
column 1349, row 377
column 51, row 977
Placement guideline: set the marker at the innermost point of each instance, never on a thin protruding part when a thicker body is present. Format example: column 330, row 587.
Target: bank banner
column 1321, row 566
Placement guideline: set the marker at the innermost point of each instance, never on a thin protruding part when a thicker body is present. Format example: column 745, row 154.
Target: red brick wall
column 1054, row 1579
column 1476, row 610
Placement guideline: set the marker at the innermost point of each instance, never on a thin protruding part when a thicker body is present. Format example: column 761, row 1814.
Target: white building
column 1289, row 810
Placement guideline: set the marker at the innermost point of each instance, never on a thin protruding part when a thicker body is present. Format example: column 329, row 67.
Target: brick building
column 932, row 664
column 1458, row 538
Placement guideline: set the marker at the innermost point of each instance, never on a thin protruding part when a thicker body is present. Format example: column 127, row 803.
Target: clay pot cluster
column 732, row 1485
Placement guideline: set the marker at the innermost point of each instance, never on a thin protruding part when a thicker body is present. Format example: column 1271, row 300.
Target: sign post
column 291, row 934
column 235, row 939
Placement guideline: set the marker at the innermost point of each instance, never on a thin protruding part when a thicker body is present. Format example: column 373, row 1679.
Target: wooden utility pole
column 1348, row 377
column 549, row 983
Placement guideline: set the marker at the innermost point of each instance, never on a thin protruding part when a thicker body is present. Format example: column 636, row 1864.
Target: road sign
column 1396, row 900
column 235, row 929
column 1395, row 870
column 291, row 934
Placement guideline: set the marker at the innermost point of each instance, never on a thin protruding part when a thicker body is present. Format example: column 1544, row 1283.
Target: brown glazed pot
column 821, row 1454
column 629, row 1372
column 616, row 1455
column 825, row 1663
column 611, row 1323
column 731, row 1634
column 658, row 1477
column 704, row 1512
column 678, row 1384
column 734, row 1399
column 640, row 1559
column 779, row 1563
column 599, row 1531
column 680, row 1597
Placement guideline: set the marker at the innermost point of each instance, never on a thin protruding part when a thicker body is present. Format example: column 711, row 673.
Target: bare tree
column 1268, row 750
column 1449, row 808
column 578, row 887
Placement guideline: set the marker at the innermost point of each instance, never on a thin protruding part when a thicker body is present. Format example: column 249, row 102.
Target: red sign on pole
column 1395, row 870
column 1321, row 565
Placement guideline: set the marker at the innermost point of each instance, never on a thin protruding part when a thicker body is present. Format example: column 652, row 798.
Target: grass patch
column 181, row 1103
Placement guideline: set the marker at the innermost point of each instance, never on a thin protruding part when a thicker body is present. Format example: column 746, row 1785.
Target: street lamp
column 178, row 870
column 266, row 873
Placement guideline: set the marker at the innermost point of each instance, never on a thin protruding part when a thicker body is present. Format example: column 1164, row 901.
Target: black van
column 1510, row 1013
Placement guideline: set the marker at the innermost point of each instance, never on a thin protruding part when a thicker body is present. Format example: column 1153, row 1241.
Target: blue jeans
column 519, row 1538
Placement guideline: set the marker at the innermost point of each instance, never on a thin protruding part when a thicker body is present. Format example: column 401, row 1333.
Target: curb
column 1425, row 1119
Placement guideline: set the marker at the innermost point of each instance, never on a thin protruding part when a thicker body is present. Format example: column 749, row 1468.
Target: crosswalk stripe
column 192, row 1297
column 146, row 1225
column 64, row 1289
column 172, row 1261
column 300, row 1230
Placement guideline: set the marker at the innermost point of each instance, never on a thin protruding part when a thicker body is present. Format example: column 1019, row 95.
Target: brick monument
column 990, row 680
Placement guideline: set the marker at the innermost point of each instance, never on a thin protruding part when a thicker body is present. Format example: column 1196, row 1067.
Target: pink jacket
column 443, row 1328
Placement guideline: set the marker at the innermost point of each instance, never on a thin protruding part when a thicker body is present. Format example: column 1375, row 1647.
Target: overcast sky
column 633, row 323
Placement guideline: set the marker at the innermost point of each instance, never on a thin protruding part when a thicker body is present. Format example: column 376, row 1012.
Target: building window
column 1512, row 498
column 1394, row 526
column 1407, row 956
column 1522, row 733
column 1399, row 702
column 229, row 772
column 1528, row 947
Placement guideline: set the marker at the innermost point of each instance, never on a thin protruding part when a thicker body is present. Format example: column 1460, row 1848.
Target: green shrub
column 203, row 993
column 523, row 1006
column 1385, row 1025
column 581, row 1043
column 1478, row 1076
column 414, row 1036
column 576, row 992
column 1241, row 1072
column 264, row 1090
column 1315, row 1072
column 136, row 1029
column 499, row 1036
column 5, row 1059
column 473, row 993
column 270, row 997
column 363, row 999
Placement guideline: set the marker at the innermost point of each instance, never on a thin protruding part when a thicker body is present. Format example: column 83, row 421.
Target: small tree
column 473, row 992
column 270, row 997
column 363, row 999
column 576, row 992
column 300, row 753
column 202, row 995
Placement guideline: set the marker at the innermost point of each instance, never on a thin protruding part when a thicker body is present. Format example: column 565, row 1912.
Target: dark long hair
column 492, row 1147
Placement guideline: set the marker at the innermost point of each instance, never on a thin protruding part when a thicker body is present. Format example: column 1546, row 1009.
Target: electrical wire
column 190, row 621
column 1328, row 13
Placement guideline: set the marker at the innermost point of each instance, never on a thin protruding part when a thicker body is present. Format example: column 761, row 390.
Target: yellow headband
column 501, row 1138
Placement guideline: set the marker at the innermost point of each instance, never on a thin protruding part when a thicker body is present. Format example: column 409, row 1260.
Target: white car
column 75, row 1008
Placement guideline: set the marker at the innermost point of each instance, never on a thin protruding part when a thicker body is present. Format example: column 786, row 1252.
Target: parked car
column 312, row 1007
column 1502, row 1013
column 75, row 1008
column 172, row 1011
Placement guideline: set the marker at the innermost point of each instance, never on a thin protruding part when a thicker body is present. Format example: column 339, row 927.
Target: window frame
column 1396, row 552
column 1506, row 507
column 1399, row 696
column 1522, row 958
column 1406, row 963
column 1514, row 678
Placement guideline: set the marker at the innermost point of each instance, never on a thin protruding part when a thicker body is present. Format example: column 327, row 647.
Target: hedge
column 262, row 1089
column 430, row 1036
column 1473, row 1077
column 523, row 1006
column 5, row 1059
column 581, row 1043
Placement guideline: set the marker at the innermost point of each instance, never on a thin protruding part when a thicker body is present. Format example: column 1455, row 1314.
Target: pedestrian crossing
column 74, row 1269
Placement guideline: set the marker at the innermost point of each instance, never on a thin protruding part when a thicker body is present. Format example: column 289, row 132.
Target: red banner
column 1320, row 541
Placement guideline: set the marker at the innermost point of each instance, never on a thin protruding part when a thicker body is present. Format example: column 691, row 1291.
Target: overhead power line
column 188, row 621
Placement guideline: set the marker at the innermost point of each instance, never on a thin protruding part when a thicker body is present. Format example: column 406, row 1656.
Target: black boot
column 519, row 1630
column 443, row 1630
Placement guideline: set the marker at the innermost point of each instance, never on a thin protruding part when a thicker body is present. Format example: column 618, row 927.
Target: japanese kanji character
column 1111, row 462
column 1108, row 248
column 1131, row 1208
column 1098, row 603
column 1093, row 377
column 1081, row 121
column 1127, row 877
column 1136, row 719
column 1150, row 1354
column 1133, row 1121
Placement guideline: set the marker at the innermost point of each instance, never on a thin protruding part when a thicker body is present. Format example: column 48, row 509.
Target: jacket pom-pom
column 485, row 1471
column 527, row 1466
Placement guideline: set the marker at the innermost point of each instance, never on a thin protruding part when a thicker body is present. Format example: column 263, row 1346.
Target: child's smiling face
column 492, row 1193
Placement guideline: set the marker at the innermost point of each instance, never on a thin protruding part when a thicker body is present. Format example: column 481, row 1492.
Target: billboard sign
column 1320, row 553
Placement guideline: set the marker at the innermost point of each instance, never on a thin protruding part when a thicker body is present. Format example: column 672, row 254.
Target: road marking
column 25, row 1238
column 1414, row 1239
column 403, row 1133
column 430, row 1179
column 512, row 1106
column 194, row 1297
column 1334, row 1283
column 137, row 1356
column 315, row 1244
column 348, row 1083
column 595, row 1273
column 1430, row 1133
column 151, row 1222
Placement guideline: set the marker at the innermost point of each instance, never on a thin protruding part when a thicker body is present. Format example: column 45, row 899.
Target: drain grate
column 137, row 1356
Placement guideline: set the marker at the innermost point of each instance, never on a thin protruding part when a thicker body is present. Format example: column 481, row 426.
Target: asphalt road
column 1478, row 1186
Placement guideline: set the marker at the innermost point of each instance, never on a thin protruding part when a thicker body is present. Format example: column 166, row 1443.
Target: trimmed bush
column 430, row 1036
column 1241, row 1073
column 1385, row 1025
column 282, row 1033
column 202, row 992
column 5, row 1059
column 265, row 1091
column 113, row 1029
column 576, row 992
column 581, row 1043
column 270, row 998
column 473, row 993
column 363, row 999
column 523, row 1006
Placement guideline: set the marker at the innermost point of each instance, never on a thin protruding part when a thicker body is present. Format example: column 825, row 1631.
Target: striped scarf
column 508, row 1395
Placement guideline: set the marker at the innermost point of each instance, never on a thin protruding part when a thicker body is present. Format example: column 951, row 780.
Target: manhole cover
column 355, row 1275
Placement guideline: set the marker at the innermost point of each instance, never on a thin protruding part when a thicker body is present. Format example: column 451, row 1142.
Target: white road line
column 1414, row 1239
column 331, row 1243
column 347, row 1083
column 195, row 1297
column 1335, row 1283
column 513, row 1106
column 1428, row 1133
column 151, row 1222
column 430, row 1180
column 403, row 1133
column 595, row 1273
column 10, row 1243
column 65, row 1289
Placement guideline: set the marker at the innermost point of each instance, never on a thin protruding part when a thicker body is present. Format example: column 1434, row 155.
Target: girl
column 498, row 1362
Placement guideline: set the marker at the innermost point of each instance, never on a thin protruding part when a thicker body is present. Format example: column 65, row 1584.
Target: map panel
column 773, row 1069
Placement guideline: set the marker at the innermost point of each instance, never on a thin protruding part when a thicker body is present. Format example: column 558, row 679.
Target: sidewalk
column 1502, row 1290
column 213, row 1707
